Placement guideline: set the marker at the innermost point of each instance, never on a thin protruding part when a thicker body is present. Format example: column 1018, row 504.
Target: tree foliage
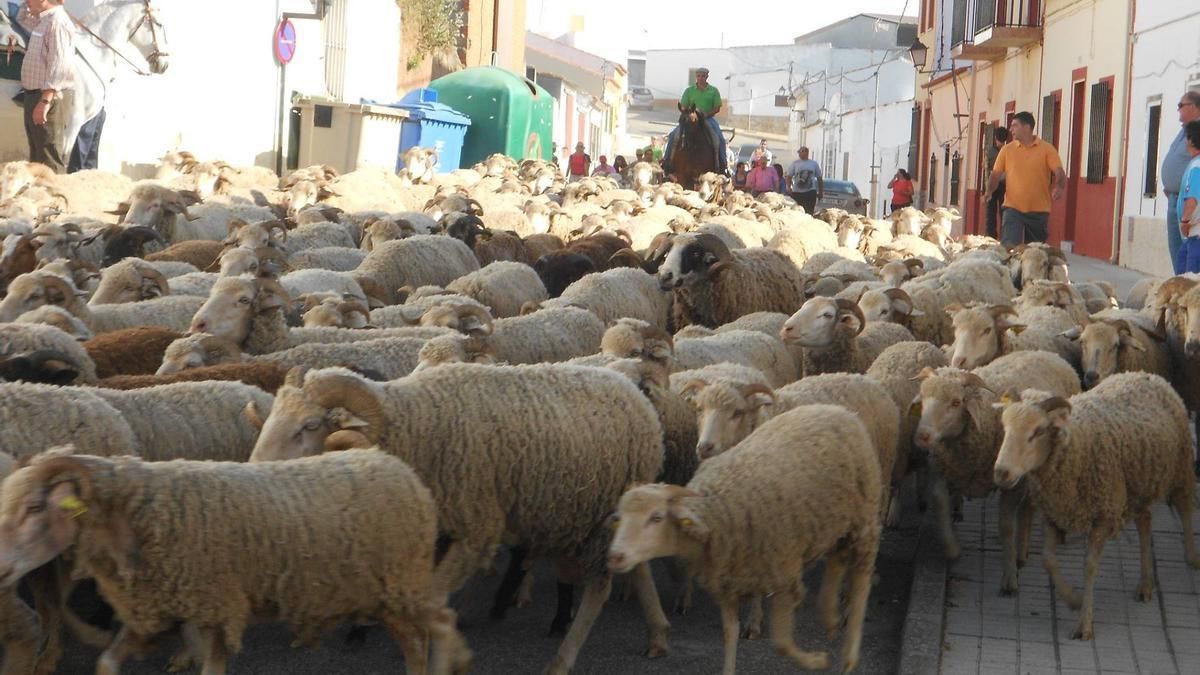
column 435, row 25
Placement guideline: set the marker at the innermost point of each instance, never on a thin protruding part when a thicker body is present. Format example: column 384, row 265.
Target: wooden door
column 1075, row 163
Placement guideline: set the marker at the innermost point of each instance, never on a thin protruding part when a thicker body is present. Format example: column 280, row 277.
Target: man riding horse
column 707, row 102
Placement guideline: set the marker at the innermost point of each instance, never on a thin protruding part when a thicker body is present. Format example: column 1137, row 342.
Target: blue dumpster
column 432, row 125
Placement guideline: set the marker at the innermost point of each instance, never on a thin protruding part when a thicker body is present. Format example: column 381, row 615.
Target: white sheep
column 835, row 336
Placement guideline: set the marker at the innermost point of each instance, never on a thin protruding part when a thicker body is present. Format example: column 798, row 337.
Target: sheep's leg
column 1050, row 537
column 680, row 571
column 755, row 620
column 565, row 602
column 829, row 597
column 1026, row 531
column 1010, row 506
column 1145, row 590
column 22, row 635
column 183, row 659
column 458, row 565
column 656, row 620
column 125, row 644
column 412, row 643
column 783, row 611
column 862, row 567
column 939, row 494
column 595, row 593
column 894, row 509
column 1181, row 501
column 449, row 654
column 525, row 591
column 513, row 576
column 1096, row 539
column 729, row 632
column 215, row 653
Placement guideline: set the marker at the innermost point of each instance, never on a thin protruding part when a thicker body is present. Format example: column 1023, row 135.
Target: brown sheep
column 133, row 351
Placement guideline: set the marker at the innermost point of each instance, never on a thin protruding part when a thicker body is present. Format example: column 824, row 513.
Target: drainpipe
column 969, row 160
column 1123, row 147
column 317, row 14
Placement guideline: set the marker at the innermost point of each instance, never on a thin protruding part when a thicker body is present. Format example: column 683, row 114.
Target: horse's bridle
column 146, row 20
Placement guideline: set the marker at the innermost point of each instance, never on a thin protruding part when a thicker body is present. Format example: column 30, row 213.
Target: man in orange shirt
column 1033, row 177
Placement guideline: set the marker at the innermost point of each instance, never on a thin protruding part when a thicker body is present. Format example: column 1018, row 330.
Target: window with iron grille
column 955, row 177
column 1099, row 123
column 334, row 33
column 932, row 178
column 1048, row 120
column 1155, row 120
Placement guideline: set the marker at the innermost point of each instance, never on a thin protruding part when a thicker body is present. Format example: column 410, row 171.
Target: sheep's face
column 652, row 521
column 238, row 261
column 976, row 338
column 1030, row 435
column 876, row 306
column 1188, row 313
column 150, row 207
column 454, row 349
column 726, row 413
column 39, row 521
column 1034, row 265
column 633, row 339
column 124, row 282
column 297, row 427
column 909, row 221
column 850, row 234
column 325, row 314
column 231, row 307
column 303, row 193
column 1100, row 345
column 893, row 274
column 60, row 319
column 948, row 404
column 687, row 262
column 815, row 325
column 30, row 291
column 195, row 351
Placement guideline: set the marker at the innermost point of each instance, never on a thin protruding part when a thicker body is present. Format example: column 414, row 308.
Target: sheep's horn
column 748, row 390
column 1054, row 403
column 845, row 305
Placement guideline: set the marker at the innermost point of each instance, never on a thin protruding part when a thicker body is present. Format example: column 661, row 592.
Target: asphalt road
column 519, row 644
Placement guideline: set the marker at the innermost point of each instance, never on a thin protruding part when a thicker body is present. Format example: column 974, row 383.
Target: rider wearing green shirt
column 707, row 100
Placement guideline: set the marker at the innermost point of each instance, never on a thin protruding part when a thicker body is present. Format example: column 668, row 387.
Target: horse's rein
column 147, row 19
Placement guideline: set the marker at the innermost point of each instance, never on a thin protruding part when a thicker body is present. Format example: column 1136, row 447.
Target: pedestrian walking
column 902, row 190
column 578, row 163
column 739, row 176
column 760, row 152
column 1034, row 178
column 1175, row 161
column 48, row 79
column 996, row 204
column 620, row 165
column 603, row 168
column 762, row 178
column 808, row 183
column 1188, row 259
column 781, row 184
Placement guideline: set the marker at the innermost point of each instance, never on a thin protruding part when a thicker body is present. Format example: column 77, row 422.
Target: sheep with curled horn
column 713, row 285
column 129, row 242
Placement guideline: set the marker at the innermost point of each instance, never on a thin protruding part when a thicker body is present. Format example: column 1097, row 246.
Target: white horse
column 114, row 27
column 10, row 39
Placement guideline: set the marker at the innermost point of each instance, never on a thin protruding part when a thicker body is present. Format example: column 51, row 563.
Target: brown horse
column 693, row 153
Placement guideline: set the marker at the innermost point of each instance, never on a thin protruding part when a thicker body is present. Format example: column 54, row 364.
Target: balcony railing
column 984, row 30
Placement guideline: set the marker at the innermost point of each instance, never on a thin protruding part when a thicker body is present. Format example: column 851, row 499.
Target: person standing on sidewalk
column 996, row 203
column 578, row 164
column 1034, row 178
column 1188, row 206
column 1175, row 161
column 48, row 78
column 902, row 190
column 808, row 184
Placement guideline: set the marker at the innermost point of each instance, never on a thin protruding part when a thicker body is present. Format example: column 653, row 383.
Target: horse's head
column 9, row 38
column 689, row 116
column 136, row 22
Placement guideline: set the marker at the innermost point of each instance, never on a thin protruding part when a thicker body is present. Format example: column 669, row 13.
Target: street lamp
column 825, row 115
column 918, row 52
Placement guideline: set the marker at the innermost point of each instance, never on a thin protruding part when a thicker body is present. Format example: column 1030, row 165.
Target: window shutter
column 334, row 30
column 955, row 176
column 933, row 178
column 1048, row 119
column 1151, row 187
column 914, row 141
column 1098, row 134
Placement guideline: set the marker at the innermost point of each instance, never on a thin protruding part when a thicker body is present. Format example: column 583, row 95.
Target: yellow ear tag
column 914, row 410
column 1006, row 399
column 73, row 505
column 686, row 523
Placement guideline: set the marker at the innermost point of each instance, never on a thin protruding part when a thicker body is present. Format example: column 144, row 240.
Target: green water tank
column 509, row 113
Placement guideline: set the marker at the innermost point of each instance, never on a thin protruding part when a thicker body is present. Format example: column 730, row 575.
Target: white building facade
column 224, row 95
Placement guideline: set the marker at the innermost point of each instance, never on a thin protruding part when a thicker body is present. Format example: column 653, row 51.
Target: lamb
column 480, row 500
column 1096, row 461
column 1119, row 345
column 981, row 333
column 418, row 261
column 713, row 285
column 504, row 287
column 189, row 420
column 135, row 351
column 748, row 348
column 809, row 480
column 79, row 415
column 836, row 337
column 357, row 500
column 962, row 432
column 616, row 294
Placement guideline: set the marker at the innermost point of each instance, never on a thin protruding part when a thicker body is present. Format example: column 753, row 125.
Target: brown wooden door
column 1075, row 163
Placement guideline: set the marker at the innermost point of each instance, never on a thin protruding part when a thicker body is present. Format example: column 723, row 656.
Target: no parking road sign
column 285, row 41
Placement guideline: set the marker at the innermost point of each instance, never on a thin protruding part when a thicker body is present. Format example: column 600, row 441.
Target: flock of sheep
column 229, row 397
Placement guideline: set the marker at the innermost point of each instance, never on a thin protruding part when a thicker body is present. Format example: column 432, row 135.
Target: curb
column 921, row 640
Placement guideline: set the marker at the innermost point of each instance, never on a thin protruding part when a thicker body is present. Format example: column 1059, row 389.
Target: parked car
column 641, row 97
column 841, row 194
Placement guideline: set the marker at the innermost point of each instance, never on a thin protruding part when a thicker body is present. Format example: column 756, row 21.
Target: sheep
column 53, row 315
column 962, row 432
column 982, row 332
column 331, row 309
column 836, row 337
column 334, row 258
column 713, row 285
column 80, row 417
column 418, row 261
column 548, row 336
column 810, row 482
column 34, row 338
column 504, row 287
column 171, row 269
column 135, row 351
column 1118, row 345
column 266, row 376
column 615, row 294
column 896, row 272
column 1041, row 293
column 195, row 509
column 749, row 348
column 1037, row 262
column 480, row 500
column 32, row 290
column 1094, row 462
column 418, row 303
column 677, row 417
column 130, row 280
column 390, row 357
column 303, row 282
column 959, row 283
column 562, row 268
column 201, row 254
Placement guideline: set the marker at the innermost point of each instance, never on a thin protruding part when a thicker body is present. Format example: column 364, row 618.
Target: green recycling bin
column 509, row 113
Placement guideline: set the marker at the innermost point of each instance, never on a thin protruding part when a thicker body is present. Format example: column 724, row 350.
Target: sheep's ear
column 344, row 419
column 916, row 312
column 691, row 389
column 687, row 519
column 1128, row 340
column 925, row 372
column 1072, row 333
column 915, row 409
column 975, row 410
column 953, row 309
column 252, row 415
column 1016, row 328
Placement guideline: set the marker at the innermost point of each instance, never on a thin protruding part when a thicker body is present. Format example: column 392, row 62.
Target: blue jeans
column 1188, row 258
column 1174, row 238
column 715, row 128
column 86, row 153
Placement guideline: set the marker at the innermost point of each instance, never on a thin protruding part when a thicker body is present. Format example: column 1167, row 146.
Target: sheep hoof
column 522, row 602
column 682, row 605
column 1145, row 592
column 953, row 550
column 558, row 628
column 180, row 662
column 557, row 667
column 1194, row 562
column 1008, row 585
column 656, row 650
column 1082, row 632
column 752, row 633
